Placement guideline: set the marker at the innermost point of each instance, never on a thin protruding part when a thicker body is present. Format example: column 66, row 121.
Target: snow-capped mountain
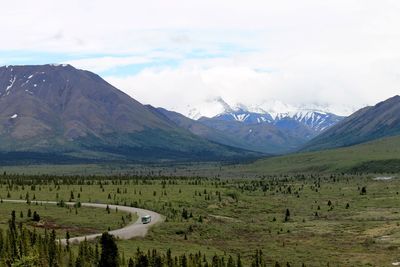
column 246, row 116
column 317, row 120
column 273, row 128
column 272, row 112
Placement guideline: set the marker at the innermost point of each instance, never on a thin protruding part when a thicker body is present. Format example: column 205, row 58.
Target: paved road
column 136, row 229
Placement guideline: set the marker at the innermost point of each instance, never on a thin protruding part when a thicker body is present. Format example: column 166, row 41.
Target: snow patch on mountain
column 241, row 117
column 12, row 81
column 59, row 65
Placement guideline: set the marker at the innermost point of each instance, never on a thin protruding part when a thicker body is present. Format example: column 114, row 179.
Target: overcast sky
column 179, row 53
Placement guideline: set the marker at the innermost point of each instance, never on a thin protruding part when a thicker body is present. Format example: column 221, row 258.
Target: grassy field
column 383, row 154
column 209, row 169
column 379, row 156
column 77, row 221
column 330, row 220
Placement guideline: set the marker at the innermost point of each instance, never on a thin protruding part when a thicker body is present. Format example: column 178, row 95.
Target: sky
column 180, row 54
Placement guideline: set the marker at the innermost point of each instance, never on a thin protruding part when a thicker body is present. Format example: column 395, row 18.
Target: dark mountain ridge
column 61, row 110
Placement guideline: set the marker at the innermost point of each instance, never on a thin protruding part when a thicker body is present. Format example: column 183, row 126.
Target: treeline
column 22, row 247
column 34, row 179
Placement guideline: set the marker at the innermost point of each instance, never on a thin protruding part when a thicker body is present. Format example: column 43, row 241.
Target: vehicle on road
column 146, row 219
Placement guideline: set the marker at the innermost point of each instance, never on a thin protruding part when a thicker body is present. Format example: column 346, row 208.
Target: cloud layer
column 178, row 53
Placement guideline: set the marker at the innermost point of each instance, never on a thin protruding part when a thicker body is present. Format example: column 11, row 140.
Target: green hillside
column 381, row 156
column 367, row 124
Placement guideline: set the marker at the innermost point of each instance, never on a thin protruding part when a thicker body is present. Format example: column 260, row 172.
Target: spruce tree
column 109, row 251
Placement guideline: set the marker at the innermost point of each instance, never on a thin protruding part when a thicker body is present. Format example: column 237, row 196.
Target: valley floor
column 315, row 220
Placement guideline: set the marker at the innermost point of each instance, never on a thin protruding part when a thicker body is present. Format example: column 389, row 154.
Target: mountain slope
column 378, row 156
column 202, row 130
column 63, row 110
column 367, row 124
column 263, row 137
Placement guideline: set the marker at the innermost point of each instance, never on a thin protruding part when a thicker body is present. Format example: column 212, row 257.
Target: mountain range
column 58, row 109
column 211, row 107
column 367, row 141
column 258, row 130
column 60, row 113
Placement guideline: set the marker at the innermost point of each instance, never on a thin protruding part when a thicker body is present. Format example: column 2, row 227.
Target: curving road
column 135, row 229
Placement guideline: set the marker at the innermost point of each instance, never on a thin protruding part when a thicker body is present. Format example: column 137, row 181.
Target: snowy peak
column 245, row 117
column 317, row 120
column 242, row 113
column 275, row 112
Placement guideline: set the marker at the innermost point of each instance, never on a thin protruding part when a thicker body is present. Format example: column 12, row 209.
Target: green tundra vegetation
column 75, row 220
column 282, row 220
column 378, row 156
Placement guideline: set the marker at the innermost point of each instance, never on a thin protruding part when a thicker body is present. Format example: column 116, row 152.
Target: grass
column 380, row 155
column 79, row 221
column 240, row 216
column 167, row 169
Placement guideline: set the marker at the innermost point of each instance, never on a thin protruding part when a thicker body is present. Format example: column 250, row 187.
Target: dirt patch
column 224, row 218
column 51, row 225
column 379, row 231
column 383, row 178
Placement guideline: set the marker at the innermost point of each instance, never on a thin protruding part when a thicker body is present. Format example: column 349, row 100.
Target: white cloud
column 126, row 25
column 297, row 80
column 338, row 52
column 99, row 64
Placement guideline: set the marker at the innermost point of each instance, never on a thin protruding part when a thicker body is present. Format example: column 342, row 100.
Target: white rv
column 146, row 219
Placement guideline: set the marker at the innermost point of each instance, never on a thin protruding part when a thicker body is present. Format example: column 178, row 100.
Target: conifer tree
column 109, row 251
